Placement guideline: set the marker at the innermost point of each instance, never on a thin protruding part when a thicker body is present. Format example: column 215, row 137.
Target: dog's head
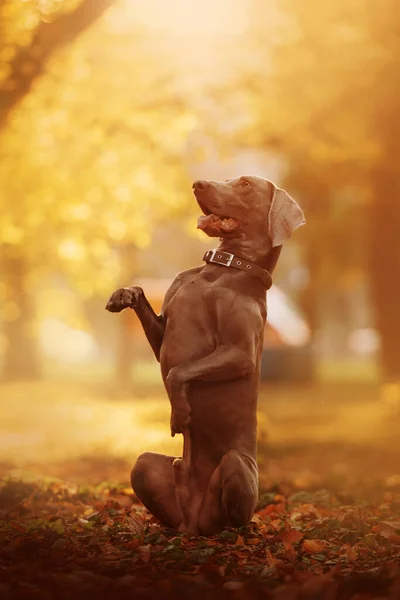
column 248, row 207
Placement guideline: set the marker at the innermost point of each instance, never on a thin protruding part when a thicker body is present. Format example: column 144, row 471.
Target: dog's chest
column 190, row 330
column 191, row 305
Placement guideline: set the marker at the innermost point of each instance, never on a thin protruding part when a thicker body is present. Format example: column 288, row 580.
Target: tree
column 29, row 38
column 328, row 106
column 105, row 129
column 26, row 51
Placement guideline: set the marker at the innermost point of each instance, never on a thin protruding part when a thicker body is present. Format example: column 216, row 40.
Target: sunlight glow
column 54, row 421
column 281, row 315
column 191, row 17
column 62, row 343
column 71, row 250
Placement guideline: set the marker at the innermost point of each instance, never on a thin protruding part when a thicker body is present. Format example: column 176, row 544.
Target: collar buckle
column 220, row 257
column 226, row 259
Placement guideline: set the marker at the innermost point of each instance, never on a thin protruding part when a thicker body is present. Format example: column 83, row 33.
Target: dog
column 208, row 340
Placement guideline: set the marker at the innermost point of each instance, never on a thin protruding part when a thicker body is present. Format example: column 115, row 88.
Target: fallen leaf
column 389, row 528
column 305, row 510
column 145, row 552
column 123, row 500
column 276, row 524
column 270, row 558
column 314, row 546
column 290, row 536
column 351, row 554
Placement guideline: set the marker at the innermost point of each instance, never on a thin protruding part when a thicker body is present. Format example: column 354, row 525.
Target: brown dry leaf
column 240, row 541
column 253, row 542
column 257, row 520
column 314, row 546
column 135, row 525
column 389, row 530
column 145, row 553
column 123, row 500
column 351, row 553
column 273, row 510
column 276, row 524
column 271, row 560
column 17, row 526
column 133, row 543
column 305, row 510
column 291, row 536
column 395, row 538
column 290, row 552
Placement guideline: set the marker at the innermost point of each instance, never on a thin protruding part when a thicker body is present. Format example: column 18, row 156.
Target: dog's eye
column 245, row 183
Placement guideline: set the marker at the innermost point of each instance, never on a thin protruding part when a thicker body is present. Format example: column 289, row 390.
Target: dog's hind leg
column 153, row 481
column 231, row 495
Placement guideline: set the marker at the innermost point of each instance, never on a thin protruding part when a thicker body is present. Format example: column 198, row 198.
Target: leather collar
column 226, row 259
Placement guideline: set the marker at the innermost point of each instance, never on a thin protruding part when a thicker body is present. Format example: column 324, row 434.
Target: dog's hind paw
column 180, row 418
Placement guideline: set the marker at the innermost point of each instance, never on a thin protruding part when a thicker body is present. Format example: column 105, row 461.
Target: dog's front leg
column 225, row 363
column 153, row 324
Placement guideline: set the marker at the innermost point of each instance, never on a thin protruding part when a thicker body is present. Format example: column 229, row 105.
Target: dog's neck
column 266, row 258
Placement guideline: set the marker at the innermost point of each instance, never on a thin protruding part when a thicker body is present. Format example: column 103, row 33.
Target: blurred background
column 108, row 111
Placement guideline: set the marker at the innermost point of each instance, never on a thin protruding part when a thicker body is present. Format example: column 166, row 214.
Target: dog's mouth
column 215, row 222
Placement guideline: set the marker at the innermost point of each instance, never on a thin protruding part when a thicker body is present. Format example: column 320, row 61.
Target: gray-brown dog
column 208, row 339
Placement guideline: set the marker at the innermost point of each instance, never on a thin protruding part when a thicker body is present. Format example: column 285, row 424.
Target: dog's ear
column 285, row 215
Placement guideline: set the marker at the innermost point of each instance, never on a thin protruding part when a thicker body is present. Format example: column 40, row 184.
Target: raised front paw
column 180, row 418
column 127, row 297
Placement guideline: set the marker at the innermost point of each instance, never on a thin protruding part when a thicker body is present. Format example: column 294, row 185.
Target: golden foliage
column 96, row 151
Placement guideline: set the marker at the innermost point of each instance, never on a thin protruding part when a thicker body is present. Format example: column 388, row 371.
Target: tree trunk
column 385, row 207
column 29, row 61
column 310, row 295
column 385, row 267
column 316, row 205
column 21, row 355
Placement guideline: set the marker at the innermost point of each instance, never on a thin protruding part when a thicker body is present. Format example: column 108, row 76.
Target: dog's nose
column 200, row 185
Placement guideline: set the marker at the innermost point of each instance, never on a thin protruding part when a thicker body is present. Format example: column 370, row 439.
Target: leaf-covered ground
column 60, row 540
column 327, row 526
